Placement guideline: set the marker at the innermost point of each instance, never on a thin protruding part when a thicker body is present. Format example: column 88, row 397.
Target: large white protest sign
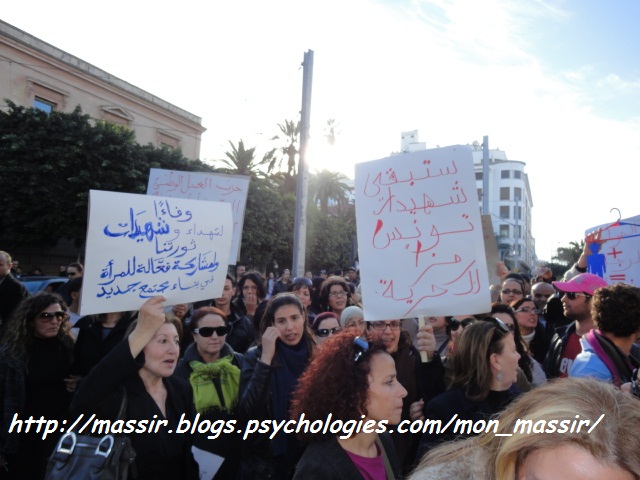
column 216, row 187
column 618, row 259
column 141, row 246
column 420, row 235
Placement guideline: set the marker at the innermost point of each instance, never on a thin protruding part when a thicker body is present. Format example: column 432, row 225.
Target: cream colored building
column 36, row 74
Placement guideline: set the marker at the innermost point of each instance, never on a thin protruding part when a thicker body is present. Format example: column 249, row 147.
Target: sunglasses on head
column 324, row 332
column 361, row 346
column 47, row 317
column 573, row 295
column 500, row 329
column 208, row 331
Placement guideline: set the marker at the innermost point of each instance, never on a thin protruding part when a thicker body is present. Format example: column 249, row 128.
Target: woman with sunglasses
column 358, row 383
column 533, row 332
column 485, row 368
column 213, row 369
column 35, row 366
column 324, row 326
column 270, row 373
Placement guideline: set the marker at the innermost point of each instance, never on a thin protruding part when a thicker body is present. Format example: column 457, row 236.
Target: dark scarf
column 291, row 363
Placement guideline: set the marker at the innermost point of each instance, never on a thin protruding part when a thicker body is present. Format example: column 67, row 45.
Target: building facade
column 37, row 74
column 510, row 203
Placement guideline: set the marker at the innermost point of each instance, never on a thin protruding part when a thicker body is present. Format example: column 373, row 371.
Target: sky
column 553, row 84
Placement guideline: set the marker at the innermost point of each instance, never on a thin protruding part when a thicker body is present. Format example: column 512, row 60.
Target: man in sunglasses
column 576, row 302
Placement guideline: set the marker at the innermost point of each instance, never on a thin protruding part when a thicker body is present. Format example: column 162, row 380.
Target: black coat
column 12, row 292
column 160, row 455
column 327, row 460
column 90, row 347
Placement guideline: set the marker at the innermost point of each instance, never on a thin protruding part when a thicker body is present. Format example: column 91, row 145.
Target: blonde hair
column 615, row 441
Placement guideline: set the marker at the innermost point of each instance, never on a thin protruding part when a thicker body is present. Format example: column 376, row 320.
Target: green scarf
column 205, row 394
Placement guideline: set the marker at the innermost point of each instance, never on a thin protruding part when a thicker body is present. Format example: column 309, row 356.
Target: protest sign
column 618, row 259
column 420, row 237
column 215, row 187
column 490, row 249
column 141, row 246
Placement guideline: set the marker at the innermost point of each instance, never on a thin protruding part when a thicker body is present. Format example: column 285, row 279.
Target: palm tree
column 290, row 130
column 569, row 255
column 242, row 161
column 331, row 131
column 325, row 186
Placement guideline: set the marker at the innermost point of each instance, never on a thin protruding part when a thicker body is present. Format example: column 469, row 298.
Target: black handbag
column 109, row 457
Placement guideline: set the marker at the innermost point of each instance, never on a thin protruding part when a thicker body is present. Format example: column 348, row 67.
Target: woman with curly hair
column 335, row 295
column 270, row 373
column 358, row 384
column 35, row 365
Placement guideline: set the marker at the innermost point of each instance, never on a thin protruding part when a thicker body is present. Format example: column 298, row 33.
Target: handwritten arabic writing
column 139, row 246
column 421, row 246
column 621, row 250
column 230, row 189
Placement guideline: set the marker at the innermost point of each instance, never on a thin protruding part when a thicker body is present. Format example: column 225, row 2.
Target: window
column 517, row 174
column 504, row 212
column 519, row 213
column 517, row 193
column 45, row 96
column 519, row 231
column 165, row 139
column 504, row 230
column 505, row 174
column 478, row 175
column 504, row 193
column 44, row 105
column 479, row 194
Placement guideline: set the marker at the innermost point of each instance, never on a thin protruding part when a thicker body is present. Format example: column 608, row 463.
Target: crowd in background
column 277, row 347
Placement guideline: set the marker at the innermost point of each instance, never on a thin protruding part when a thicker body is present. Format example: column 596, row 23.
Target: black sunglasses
column 324, row 332
column 47, row 317
column 454, row 323
column 208, row 331
column 500, row 329
column 574, row 295
column 361, row 346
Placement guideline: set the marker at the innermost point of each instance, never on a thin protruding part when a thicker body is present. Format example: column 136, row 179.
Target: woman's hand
column 71, row 383
column 415, row 410
column 426, row 340
column 150, row 318
column 269, row 337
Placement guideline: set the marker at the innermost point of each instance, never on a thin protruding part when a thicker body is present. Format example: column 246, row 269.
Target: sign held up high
column 420, row 236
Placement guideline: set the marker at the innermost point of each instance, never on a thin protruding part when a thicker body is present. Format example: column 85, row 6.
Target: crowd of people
column 278, row 349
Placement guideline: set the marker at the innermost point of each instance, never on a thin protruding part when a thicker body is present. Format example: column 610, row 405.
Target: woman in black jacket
column 143, row 363
column 270, row 374
column 35, row 362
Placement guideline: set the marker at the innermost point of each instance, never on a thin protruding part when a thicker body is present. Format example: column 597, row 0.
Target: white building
column 509, row 197
column 510, row 203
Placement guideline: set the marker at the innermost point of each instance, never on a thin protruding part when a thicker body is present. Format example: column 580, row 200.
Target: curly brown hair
column 616, row 309
column 203, row 312
column 326, row 288
column 19, row 332
column 334, row 383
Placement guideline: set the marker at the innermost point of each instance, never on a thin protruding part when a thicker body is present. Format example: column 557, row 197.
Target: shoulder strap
column 387, row 465
column 610, row 356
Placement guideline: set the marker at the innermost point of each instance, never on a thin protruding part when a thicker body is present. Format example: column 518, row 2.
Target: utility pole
column 300, row 229
column 485, row 175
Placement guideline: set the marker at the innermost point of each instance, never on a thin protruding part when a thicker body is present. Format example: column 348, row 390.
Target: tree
column 242, row 161
column 325, row 186
column 50, row 161
column 267, row 233
column 569, row 255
